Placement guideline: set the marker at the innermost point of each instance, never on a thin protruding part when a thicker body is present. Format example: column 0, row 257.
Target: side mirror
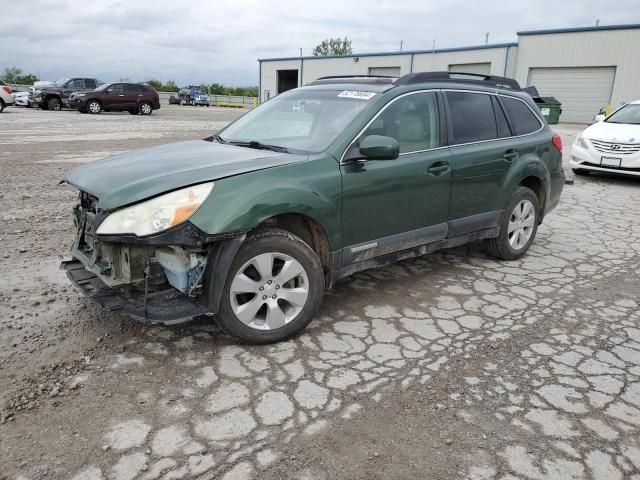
column 600, row 117
column 378, row 147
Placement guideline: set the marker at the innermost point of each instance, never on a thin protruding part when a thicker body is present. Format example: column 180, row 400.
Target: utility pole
column 597, row 22
column 401, row 44
column 300, row 51
column 486, row 38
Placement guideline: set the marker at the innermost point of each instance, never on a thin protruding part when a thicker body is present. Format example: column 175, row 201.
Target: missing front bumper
column 167, row 306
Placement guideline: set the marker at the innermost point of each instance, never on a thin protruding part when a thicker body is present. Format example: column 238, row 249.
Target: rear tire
column 284, row 284
column 54, row 104
column 2, row 105
column 580, row 172
column 145, row 108
column 518, row 226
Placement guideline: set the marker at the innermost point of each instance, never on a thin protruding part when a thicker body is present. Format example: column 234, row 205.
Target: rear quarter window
column 523, row 120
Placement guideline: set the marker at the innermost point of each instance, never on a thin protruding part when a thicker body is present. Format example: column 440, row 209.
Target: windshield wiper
column 260, row 146
column 216, row 138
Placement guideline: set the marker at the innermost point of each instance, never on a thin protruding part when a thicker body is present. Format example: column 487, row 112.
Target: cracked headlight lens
column 157, row 214
column 581, row 142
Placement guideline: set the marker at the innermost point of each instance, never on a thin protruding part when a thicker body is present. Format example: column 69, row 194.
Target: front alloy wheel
column 273, row 289
column 94, row 106
column 269, row 291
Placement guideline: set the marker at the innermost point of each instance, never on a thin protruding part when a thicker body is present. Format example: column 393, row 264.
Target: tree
column 333, row 46
column 14, row 75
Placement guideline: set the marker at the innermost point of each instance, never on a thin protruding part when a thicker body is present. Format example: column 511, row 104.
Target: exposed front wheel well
column 308, row 230
column 536, row 184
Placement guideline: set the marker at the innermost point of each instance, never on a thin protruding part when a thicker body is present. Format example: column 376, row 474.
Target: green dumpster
column 550, row 108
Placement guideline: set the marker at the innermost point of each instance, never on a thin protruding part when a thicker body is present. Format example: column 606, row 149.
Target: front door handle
column 438, row 168
column 510, row 155
column 121, row 95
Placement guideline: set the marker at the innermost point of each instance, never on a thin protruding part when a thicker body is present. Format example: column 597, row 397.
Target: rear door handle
column 438, row 168
column 509, row 155
column 121, row 95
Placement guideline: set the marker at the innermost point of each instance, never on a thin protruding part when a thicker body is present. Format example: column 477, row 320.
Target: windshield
column 102, row 87
column 60, row 82
column 629, row 114
column 301, row 120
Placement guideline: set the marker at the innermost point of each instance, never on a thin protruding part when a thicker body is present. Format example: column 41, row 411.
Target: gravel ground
column 449, row 366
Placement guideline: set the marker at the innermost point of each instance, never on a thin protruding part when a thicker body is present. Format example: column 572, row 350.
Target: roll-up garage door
column 385, row 71
column 480, row 68
column 581, row 90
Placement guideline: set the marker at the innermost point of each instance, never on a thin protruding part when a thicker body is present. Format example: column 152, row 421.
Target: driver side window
column 412, row 121
column 76, row 83
column 117, row 88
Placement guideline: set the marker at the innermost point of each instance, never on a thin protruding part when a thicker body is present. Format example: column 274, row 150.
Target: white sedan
column 21, row 99
column 611, row 144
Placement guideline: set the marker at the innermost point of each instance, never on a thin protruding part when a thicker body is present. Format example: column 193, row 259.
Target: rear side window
column 472, row 118
column 523, row 119
column 90, row 83
column 129, row 88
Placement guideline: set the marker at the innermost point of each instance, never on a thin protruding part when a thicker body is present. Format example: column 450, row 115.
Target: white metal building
column 584, row 68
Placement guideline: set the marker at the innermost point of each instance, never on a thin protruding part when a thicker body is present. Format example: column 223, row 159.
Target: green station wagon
column 253, row 224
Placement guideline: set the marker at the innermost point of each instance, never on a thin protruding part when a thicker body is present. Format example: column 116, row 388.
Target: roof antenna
column 597, row 22
column 486, row 38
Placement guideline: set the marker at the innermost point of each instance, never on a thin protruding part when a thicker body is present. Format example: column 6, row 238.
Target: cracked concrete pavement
column 449, row 366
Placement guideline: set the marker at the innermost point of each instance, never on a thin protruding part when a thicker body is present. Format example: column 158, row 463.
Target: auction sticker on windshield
column 356, row 94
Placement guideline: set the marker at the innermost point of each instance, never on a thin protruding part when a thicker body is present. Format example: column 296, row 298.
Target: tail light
column 7, row 89
column 557, row 142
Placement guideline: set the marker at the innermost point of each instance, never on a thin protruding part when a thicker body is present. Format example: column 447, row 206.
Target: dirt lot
column 450, row 366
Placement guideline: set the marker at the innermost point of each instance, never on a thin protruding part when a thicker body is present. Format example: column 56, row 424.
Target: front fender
column 243, row 202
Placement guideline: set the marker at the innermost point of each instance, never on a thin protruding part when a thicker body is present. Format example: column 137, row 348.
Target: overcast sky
column 220, row 41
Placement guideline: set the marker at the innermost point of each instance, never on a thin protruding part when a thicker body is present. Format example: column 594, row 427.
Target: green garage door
column 481, row 68
column 581, row 90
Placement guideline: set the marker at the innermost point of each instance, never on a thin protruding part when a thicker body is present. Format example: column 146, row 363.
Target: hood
column 133, row 176
column 613, row 132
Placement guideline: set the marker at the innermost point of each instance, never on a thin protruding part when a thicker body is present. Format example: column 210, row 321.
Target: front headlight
column 581, row 142
column 157, row 214
column 38, row 92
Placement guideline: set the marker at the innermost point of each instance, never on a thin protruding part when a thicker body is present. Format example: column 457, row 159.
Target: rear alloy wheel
column 145, row 108
column 518, row 226
column 54, row 104
column 273, row 289
column 94, row 106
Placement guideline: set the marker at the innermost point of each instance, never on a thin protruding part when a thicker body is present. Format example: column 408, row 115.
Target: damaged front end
column 169, row 277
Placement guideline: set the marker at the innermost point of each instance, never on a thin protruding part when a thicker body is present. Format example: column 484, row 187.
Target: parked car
column 56, row 95
column 610, row 145
column 253, row 224
column 6, row 98
column 118, row 97
column 21, row 99
column 200, row 98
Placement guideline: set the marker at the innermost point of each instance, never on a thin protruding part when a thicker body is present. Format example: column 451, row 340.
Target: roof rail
column 476, row 78
column 370, row 79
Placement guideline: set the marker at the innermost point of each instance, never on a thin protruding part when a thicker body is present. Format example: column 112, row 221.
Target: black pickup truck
column 54, row 96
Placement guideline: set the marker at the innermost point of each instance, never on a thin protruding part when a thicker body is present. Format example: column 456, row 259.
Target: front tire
column 94, row 106
column 2, row 105
column 54, row 104
column 273, row 289
column 518, row 226
column 134, row 112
